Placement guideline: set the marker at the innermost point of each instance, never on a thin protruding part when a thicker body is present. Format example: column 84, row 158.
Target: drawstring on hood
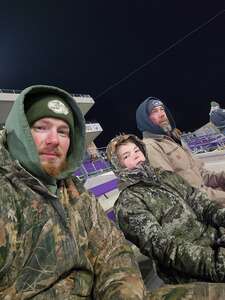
column 142, row 117
column 20, row 142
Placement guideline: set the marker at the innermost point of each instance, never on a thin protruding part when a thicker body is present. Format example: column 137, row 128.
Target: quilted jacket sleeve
column 117, row 274
column 142, row 228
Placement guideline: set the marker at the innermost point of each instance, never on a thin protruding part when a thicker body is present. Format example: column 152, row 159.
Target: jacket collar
column 144, row 173
column 147, row 134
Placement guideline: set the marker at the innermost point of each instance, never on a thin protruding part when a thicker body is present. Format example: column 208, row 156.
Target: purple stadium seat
column 104, row 188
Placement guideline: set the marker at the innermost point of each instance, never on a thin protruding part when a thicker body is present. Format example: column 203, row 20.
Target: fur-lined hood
column 128, row 177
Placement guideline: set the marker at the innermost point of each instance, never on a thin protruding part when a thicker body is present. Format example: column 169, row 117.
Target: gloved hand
column 220, row 242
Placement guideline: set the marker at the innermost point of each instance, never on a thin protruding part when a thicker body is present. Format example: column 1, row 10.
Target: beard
column 52, row 169
column 165, row 125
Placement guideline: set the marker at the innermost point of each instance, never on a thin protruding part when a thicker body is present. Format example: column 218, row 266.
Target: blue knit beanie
column 154, row 103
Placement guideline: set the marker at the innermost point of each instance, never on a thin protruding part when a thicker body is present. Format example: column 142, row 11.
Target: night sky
column 119, row 52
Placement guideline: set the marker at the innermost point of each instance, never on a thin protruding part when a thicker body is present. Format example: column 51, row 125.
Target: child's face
column 130, row 156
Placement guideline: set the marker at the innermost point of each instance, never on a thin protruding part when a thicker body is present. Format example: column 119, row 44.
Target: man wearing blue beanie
column 164, row 149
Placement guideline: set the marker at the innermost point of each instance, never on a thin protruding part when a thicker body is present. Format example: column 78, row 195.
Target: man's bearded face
column 52, row 140
column 158, row 117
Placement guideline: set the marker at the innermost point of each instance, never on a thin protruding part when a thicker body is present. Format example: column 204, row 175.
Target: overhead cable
column 148, row 62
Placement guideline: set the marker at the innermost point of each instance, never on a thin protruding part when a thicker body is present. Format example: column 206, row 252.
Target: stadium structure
column 206, row 143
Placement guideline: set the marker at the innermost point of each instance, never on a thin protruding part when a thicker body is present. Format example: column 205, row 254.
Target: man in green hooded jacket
column 55, row 240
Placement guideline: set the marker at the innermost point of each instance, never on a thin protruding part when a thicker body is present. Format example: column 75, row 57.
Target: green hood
column 20, row 142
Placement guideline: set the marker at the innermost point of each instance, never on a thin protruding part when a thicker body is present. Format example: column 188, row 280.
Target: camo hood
column 144, row 172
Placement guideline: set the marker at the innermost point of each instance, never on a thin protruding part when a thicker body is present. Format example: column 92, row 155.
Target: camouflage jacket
column 195, row 291
column 59, row 247
column 174, row 223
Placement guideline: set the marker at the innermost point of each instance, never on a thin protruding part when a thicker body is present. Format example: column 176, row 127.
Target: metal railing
column 15, row 91
column 12, row 91
column 94, row 165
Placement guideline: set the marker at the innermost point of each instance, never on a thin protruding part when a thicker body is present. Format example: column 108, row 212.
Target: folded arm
column 142, row 228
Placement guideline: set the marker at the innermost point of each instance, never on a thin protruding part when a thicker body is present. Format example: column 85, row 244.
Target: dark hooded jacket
column 143, row 121
column 165, row 153
column 55, row 240
column 168, row 220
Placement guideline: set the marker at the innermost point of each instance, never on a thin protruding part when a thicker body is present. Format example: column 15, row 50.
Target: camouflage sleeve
column 206, row 210
column 8, row 228
column 117, row 274
column 196, row 291
column 141, row 227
